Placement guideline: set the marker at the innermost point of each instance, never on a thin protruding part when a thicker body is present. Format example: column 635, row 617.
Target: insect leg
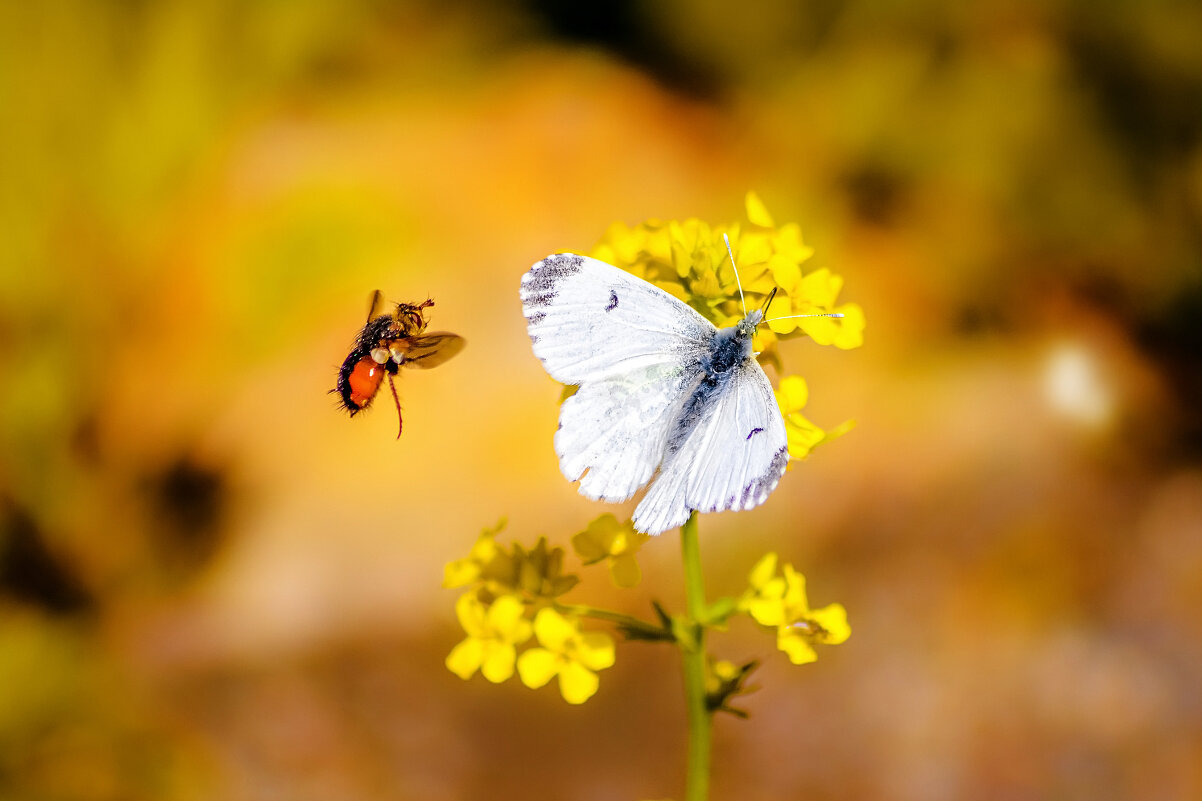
column 400, row 423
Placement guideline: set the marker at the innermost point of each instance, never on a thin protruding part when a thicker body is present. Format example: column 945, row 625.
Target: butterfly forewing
column 589, row 320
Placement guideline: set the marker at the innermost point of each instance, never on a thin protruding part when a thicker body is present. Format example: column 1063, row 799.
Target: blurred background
column 213, row 585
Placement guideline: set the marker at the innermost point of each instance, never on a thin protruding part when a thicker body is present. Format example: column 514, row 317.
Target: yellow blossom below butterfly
column 476, row 564
column 778, row 600
column 567, row 652
column 606, row 538
column 493, row 634
column 531, row 573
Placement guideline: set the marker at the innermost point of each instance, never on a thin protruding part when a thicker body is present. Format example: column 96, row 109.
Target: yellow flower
column 540, row 571
column 802, row 435
column 606, row 538
column 483, row 553
column 567, row 652
column 537, row 572
column 779, row 601
column 688, row 259
column 493, row 632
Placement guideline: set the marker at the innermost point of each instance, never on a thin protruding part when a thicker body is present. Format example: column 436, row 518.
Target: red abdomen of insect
column 361, row 384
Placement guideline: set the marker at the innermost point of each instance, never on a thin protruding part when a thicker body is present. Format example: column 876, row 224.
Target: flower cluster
column 688, row 259
column 512, row 598
column 515, row 622
column 777, row 599
column 614, row 542
column 529, row 574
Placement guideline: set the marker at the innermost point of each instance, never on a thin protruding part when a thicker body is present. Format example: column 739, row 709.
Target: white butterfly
column 660, row 387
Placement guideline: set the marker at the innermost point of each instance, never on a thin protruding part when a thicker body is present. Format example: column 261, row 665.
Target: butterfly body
column 663, row 393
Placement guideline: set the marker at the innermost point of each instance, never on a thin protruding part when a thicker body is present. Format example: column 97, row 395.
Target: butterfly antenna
column 726, row 239
column 794, row 316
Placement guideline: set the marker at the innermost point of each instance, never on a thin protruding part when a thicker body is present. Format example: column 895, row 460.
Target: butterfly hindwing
column 617, row 428
column 727, row 452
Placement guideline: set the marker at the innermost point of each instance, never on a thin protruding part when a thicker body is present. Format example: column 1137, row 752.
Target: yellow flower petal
column 766, row 611
column 465, row 658
column 460, row 572
column 792, row 395
column 625, row 570
column 763, row 571
column 552, row 629
column 851, row 327
column 820, row 288
column 788, row 243
column 588, row 547
column 725, row 670
column 833, row 619
column 537, row 666
column 757, row 213
column 505, row 619
column 802, row 435
column 674, row 289
column 471, row 614
column 754, row 253
column 782, row 306
column 796, row 646
column 785, row 272
column 796, row 604
column 497, row 664
column 577, row 683
column 823, row 330
column 596, row 650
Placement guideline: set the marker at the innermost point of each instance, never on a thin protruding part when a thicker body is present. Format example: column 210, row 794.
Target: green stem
column 693, row 657
column 632, row 623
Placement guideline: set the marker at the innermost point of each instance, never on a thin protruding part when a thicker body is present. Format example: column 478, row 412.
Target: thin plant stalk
column 692, row 648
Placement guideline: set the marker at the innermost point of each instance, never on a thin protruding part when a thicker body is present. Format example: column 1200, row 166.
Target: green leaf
column 717, row 613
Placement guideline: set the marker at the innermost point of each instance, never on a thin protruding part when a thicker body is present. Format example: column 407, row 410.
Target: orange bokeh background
column 215, row 585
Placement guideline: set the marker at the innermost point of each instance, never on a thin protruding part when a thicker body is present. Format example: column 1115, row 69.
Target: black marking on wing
column 754, row 431
column 770, row 478
column 613, row 301
column 540, row 284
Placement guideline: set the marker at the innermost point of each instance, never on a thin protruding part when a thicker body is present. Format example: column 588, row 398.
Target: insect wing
column 428, row 350
column 728, row 450
column 375, row 302
column 589, row 320
column 636, row 352
column 617, row 428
